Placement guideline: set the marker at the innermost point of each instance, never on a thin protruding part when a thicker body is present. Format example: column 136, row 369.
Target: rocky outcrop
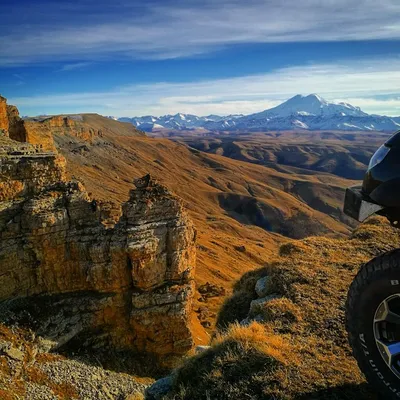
column 16, row 125
column 74, row 274
column 91, row 128
column 25, row 170
column 41, row 130
column 11, row 125
column 4, row 124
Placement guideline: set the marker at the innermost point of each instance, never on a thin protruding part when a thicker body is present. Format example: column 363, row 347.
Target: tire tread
column 370, row 271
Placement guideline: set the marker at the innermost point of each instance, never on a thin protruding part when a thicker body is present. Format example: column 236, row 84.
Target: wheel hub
column 387, row 332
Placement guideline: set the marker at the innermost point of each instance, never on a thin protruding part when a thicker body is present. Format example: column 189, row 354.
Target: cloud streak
column 181, row 29
column 75, row 66
column 374, row 85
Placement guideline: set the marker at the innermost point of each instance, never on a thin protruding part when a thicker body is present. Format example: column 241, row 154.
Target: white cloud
column 74, row 66
column 361, row 83
column 184, row 29
column 390, row 106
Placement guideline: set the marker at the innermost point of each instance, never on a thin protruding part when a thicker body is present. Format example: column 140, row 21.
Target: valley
column 230, row 199
column 246, row 195
column 338, row 153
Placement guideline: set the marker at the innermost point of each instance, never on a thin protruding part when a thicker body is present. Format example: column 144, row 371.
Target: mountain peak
column 312, row 96
column 316, row 98
column 308, row 99
column 310, row 105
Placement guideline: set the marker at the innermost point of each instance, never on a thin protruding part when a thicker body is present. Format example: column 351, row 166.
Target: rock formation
column 11, row 125
column 74, row 275
column 4, row 125
column 41, row 130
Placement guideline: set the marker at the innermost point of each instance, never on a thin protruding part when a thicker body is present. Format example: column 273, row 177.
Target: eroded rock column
column 161, row 250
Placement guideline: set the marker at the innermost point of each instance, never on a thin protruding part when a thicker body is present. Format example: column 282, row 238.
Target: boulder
column 159, row 389
column 261, row 287
column 200, row 349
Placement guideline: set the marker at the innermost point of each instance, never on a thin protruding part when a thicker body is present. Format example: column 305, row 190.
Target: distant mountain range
column 310, row 112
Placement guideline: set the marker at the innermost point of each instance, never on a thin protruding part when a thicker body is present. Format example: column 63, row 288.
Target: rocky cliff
column 70, row 276
column 11, row 125
column 87, row 127
column 4, row 125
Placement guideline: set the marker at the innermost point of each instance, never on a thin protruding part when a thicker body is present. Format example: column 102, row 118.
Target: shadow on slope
column 346, row 156
column 360, row 391
column 249, row 210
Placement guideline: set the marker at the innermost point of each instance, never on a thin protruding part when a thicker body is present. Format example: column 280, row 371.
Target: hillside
column 343, row 154
column 291, row 342
column 84, row 126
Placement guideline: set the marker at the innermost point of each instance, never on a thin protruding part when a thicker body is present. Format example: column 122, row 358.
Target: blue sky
column 130, row 58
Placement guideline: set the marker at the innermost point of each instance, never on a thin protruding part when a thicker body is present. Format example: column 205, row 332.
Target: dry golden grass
column 283, row 312
column 301, row 350
column 135, row 396
column 256, row 336
column 236, row 367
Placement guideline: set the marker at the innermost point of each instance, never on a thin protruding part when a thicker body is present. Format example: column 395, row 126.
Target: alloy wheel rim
column 387, row 332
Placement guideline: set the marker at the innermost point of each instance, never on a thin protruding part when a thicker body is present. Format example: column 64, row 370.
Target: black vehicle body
column 380, row 191
column 373, row 300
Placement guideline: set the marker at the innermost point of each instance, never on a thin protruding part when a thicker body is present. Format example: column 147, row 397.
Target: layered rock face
column 74, row 275
column 4, row 125
column 42, row 130
column 11, row 125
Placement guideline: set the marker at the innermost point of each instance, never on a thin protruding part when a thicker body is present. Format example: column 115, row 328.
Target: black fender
column 387, row 194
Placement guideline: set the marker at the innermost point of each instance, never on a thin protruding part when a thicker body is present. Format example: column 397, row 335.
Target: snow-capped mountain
column 310, row 112
column 177, row 121
column 312, row 105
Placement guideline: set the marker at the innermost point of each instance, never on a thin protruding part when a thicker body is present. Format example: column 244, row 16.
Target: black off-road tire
column 376, row 281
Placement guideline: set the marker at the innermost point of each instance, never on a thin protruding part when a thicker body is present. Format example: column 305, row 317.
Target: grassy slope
column 300, row 351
